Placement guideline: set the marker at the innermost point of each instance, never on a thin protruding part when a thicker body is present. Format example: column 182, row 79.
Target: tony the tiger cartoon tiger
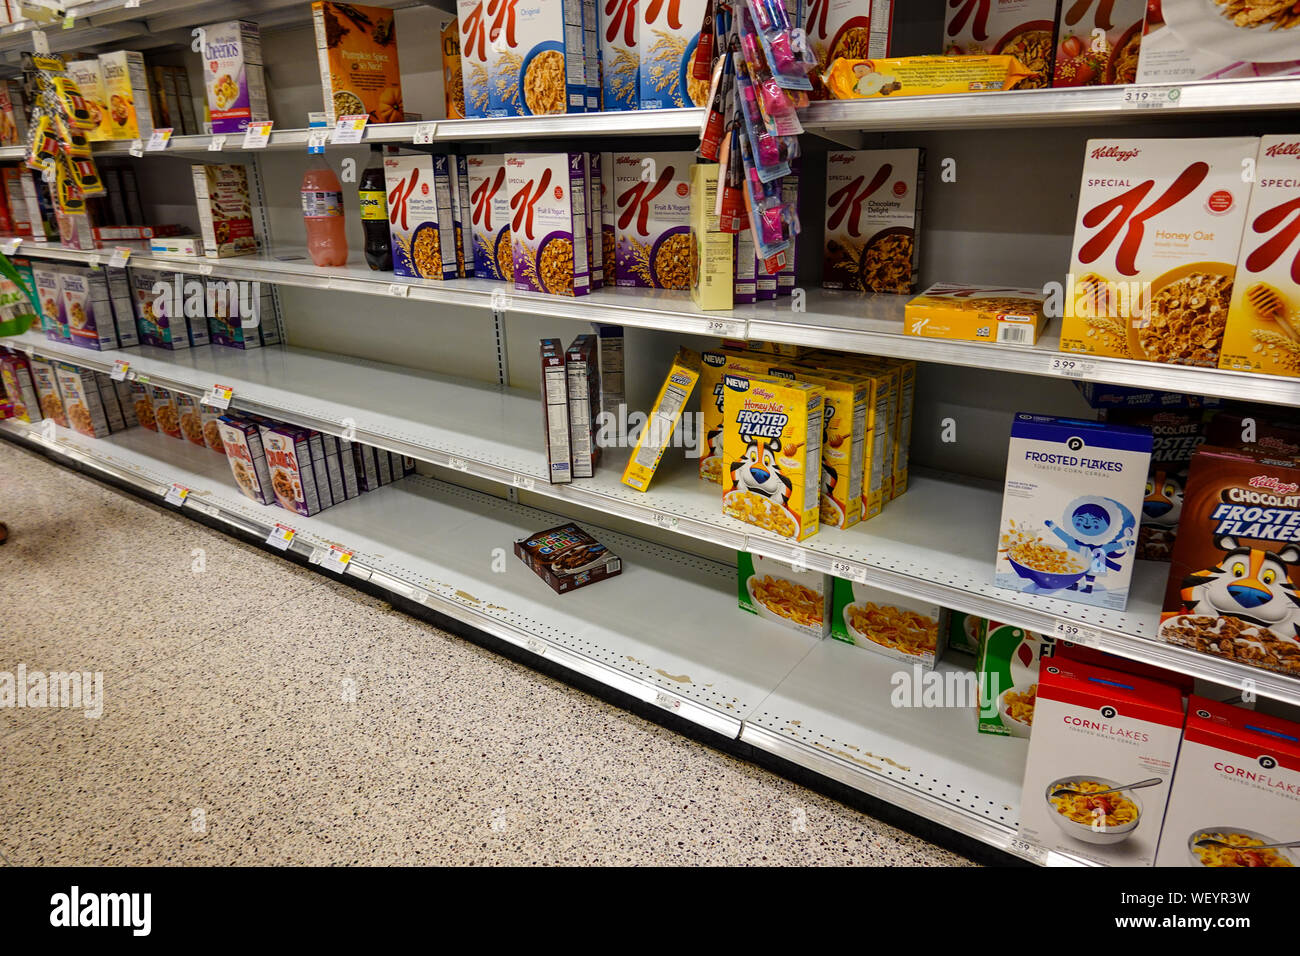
column 1250, row 584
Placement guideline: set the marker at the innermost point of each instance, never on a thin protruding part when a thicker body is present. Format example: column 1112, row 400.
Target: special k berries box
column 420, row 220
column 1025, row 29
column 1098, row 42
column 772, row 456
column 669, row 33
column 906, row 629
column 652, row 203
column 490, row 217
column 357, row 50
column 1263, row 333
column 243, row 443
column 1006, row 315
column 1156, row 239
column 1096, row 730
column 873, row 202
column 548, row 234
column 1232, row 580
column 1236, row 790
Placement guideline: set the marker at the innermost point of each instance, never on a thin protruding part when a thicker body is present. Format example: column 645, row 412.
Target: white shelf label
column 40, row 43
column 399, row 289
column 1140, row 98
column 280, row 537
column 317, row 138
column 93, row 260
column 460, row 464
column 522, row 481
column 1078, row 633
column 849, row 571
column 10, row 245
column 337, row 560
column 218, row 396
column 665, row 520
column 120, row 369
column 1071, row 367
column 159, row 139
column 1029, row 850
column 424, row 133
column 205, row 268
column 536, row 646
column 726, row 327
column 217, row 144
column 69, row 21
column 419, row 596
column 176, row 495
column 119, row 257
column 667, row 701
column 257, row 135
column 349, row 129
column 136, row 148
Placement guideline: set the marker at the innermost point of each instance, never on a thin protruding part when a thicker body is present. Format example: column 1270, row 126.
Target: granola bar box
column 567, row 558
column 873, row 201
column 1098, row 42
column 357, row 50
column 233, row 77
column 1236, row 789
column 1231, row 591
column 548, row 233
column 490, row 217
column 1263, row 333
column 420, row 220
column 1002, row 314
column 652, row 203
column 793, row 597
column 1156, row 238
column 1219, row 40
column 1069, row 509
column 669, row 33
column 1025, row 29
column 908, row 630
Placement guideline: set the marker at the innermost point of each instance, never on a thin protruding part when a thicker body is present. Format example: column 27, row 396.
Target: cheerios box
column 904, row 628
column 420, row 220
column 668, row 35
column 548, row 234
column 1070, row 507
column 233, row 75
column 652, row 203
column 1263, row 333
column 772, row 453
column 795, row 598
column 1236, row 790
column 535, row 58
column 1095, row 730
column 1156, row 240
column 873, row 205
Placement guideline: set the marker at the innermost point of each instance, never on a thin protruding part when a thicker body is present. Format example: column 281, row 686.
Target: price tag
column 349, row 129
column 69, row 21
column 399, row 289
column 424, row 133
column 337, row 560
column 665, row 521
column 218, row 396
column 10, row 245
column 136, row 149
column 118, row 259
column 667, row 701
column 726, row 327
column 1071, row 368
column 1078, row 633
column 132, row 4
column 40, row 43
column 316, row 139
column 120, row 369
column 176, row 495
column 1029, row 850
column 536, row 646
column 280, row 537
column 460, row 464
column 257, row 135
column 419, row 596
column 851, row 572
column 217, row 144
column 205, row 268
column 93, row 260
column 158, row 140
column 522, row 481
column 1160, row 98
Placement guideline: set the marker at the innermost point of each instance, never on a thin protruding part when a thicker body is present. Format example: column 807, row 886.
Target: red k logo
column 620, row 15
column 483, row 196
column 397, row 198
column 476, row 34
column 1285, row 235
column 848, row 200
column 523, row 202
column 501, row 13
column 637, row 201
column 1124, row 211
column 817, row 18
column 1104, row 10
column 980, row 24
column 654, row 8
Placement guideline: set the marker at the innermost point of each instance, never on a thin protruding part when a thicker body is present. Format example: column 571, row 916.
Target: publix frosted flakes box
column 548, row 234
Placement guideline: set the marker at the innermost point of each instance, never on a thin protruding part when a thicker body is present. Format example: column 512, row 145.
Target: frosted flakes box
column 906, row 629
column 873, row 205
column 548, row 234
column 652, row 203
column 1024, row 29
column 490, row 217
column 795, row 598
column 666, row 412
column 420, row 219
column 668, row 35
column 1099, row 42
column 1218, row 40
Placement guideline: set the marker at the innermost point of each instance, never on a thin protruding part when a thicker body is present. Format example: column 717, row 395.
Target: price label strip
column 1159, row 98
column 1077, row 633
column 399, row 289
column 336, row 559
column 218, row 396
column 136, row 149
column 120, row 369
column 850, row 572
column 726, row 327
column 1029, row 850
column 522, row 481
column 349, row 129
column 667, row 701
column 280, row 537
column 176, row 495
column 317, row 138
column 1071, row 368
column 257, row 135
column 158, row 140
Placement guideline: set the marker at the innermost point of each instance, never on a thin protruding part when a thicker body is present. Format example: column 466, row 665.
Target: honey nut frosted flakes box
column 548, row 234
column 490, row 217
column 664, row 415
column 772, row 452
column 1232, row 580
column 1156, row 238
column 873, row 204
column 652, row 202
column 905, row 629
column 798, row 599
column 1025, row 29
column 1263, row 333
column 47, row 391
column 713, row 364
column 243, row 443
column 669, row 33
column 420, row 220
column 1099, row 42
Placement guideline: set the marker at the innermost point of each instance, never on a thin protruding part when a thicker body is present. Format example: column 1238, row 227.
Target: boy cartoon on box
column 1099, row 529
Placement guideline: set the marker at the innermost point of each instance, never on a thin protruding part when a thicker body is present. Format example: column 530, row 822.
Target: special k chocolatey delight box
column 873, row 201
column 1232, row 581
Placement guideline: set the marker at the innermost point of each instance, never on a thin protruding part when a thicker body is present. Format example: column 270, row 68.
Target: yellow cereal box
column 890, row 406
column 453, row 85
column 664, row 416
column 713, row 364
column 772, row 442
column 1006, row 315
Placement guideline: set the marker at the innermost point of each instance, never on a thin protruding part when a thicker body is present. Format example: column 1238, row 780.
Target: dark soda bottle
column 374, row 212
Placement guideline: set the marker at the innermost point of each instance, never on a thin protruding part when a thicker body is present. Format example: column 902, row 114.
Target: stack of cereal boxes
column 571, row 405
column 421, row 220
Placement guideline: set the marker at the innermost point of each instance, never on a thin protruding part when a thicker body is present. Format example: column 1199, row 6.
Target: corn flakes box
column 902, row 628
column 1025, row 30
column 359, row 72
column 666, row 412
column 490, row 217
column 420, row 220
column 1099, row 42
column 771, row 443
column 771, row 589
column 548, row 234
column 652, row 203
column 1263, row 333
column 1007, row 666
column 669, row 34
column 873, row 207
column 1156, row 238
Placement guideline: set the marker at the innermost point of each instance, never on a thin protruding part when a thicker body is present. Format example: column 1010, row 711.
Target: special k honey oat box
column 548, row 231
column 873, row 201
column 1156, row 239
column 1263, row 333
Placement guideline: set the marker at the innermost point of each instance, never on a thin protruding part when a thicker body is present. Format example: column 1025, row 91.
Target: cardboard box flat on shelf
column 1005, row 315
column 873, row 208
column 357, row 50
column 567, row 558
column 905, row 629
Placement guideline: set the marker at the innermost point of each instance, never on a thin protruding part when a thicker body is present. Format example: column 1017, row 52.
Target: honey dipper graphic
column 1270, row 305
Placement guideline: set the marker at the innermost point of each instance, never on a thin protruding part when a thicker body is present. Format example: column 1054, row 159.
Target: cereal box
column 357, row 50
column 1006, row 315
column 873, row 204
column 243, row 443
column 108, row 397
column 458, row 173
column 225, row 209
column 595, row 232
column 1099, row 395
column 1232, row 580
column 90, row 82
column 652, row 202
column 712, row 284
column 1098, row 42
column 293, row 476
column 1069, row 509
column 49, row 295
column 591, row 52
column 567, row 558
column 1236, row 790
column 1069, row 650
column 796, row 598
column 190, row 419
column 668, row 35
column 211, row 420
column 582, row 372
column 1097, row 730
column 555, row 413
column 771, row 443
column 857, row 29
column 535, row 58
column 123, row 303
column 1155, row 248
column 453, row 87
column 620, row 54
column 20, row 386
column 1255, row 431
column 1007, row 669
column 1219, row 40
column 713, row 365
column 127, row 89
column 903, row 628
column 667, row 410
column 490, row 217
column 142, row 405
column 420, row 220
column 548, row 234
column 86, row 304
column 743, row 263
column 608, row 229
column 47, row 390
column 472, row 24
column 1263, row 333
column 166, row 411
column 233, row 77
column 1025, row 29
column 81, row 400
column 966, row 632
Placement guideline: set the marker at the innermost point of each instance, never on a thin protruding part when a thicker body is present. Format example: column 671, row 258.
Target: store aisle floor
column 258, row 713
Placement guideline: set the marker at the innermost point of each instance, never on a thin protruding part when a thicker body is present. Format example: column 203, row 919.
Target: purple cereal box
column 548, row 234
column 232, row 75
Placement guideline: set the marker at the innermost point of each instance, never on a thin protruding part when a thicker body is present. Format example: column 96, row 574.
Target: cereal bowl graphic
column 543, row 80
column 77, row 316
column 1011, row 704
column 690, row 91
column 786, row 602
column 555, row 264
column 852, row 42
column 1183, row 319
column 757, row 509
column 1031, row 44
column 426, row 251
column 120, row 109
column 901, row 630
column 1047, row 580
column 1244, row 849
column 1103, row 820
column 285, row 485
column 1123, row 64
column 347, row 103
column 1262, row 33
column 670, row 259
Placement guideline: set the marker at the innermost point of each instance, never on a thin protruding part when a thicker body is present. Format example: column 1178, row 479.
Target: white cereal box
column 548, row 234
column 669, row 33
column 472, row 23
column 49, row 294
column 1186, row 40
column 855, row 29
column 1025, row 29
column 490, row 217
column 1156, row 239
column 536, row 60
column 1073, row 492
column 232, row 75
column 47, row 390
column 620, row 55
column 81, row 400
column 420, row 219
column 652, row 203
column 243, row 445
column 89, row 312
column 873, row 204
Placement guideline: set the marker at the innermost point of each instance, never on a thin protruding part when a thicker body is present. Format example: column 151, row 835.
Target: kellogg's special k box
column 548, row 234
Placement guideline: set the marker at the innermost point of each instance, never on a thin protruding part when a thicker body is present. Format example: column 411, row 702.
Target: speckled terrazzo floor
column 258, row 713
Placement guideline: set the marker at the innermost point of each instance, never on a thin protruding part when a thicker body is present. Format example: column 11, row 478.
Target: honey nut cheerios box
column 1237, row 783
column 1099, row 42
column 652, row 203
column 674, row 395
column 1156, row 238
column 798, row 599
column 490, row 217
column 1025, row 29
column 548, row 231
column 899, row 627
column 669, row 31
column 1070, row 508
column 1232, row 582
column 772, row 456
column 1006, row 315
column 1096, row 729
column 357, row 50
column 81, row 400
column 1263, row 333
column 420, row 220
column 873, row 208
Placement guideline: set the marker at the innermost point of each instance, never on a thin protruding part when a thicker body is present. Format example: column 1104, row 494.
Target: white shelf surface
column 935, row 543
column 821, row 704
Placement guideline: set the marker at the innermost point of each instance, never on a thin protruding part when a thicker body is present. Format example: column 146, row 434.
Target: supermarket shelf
column 819, row 703
column 835, row 320
column 1081, row 106
column 933, row 544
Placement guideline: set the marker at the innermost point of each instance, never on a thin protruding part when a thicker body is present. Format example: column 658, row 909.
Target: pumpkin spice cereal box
column 873, row 202
column 1157, row 233
column 1024, row 29
column 669, row 33
column 357, row 49
column 490, row 217
column 652, row 203
column 771, row 443
column 548, row 232
column 1099, row 42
